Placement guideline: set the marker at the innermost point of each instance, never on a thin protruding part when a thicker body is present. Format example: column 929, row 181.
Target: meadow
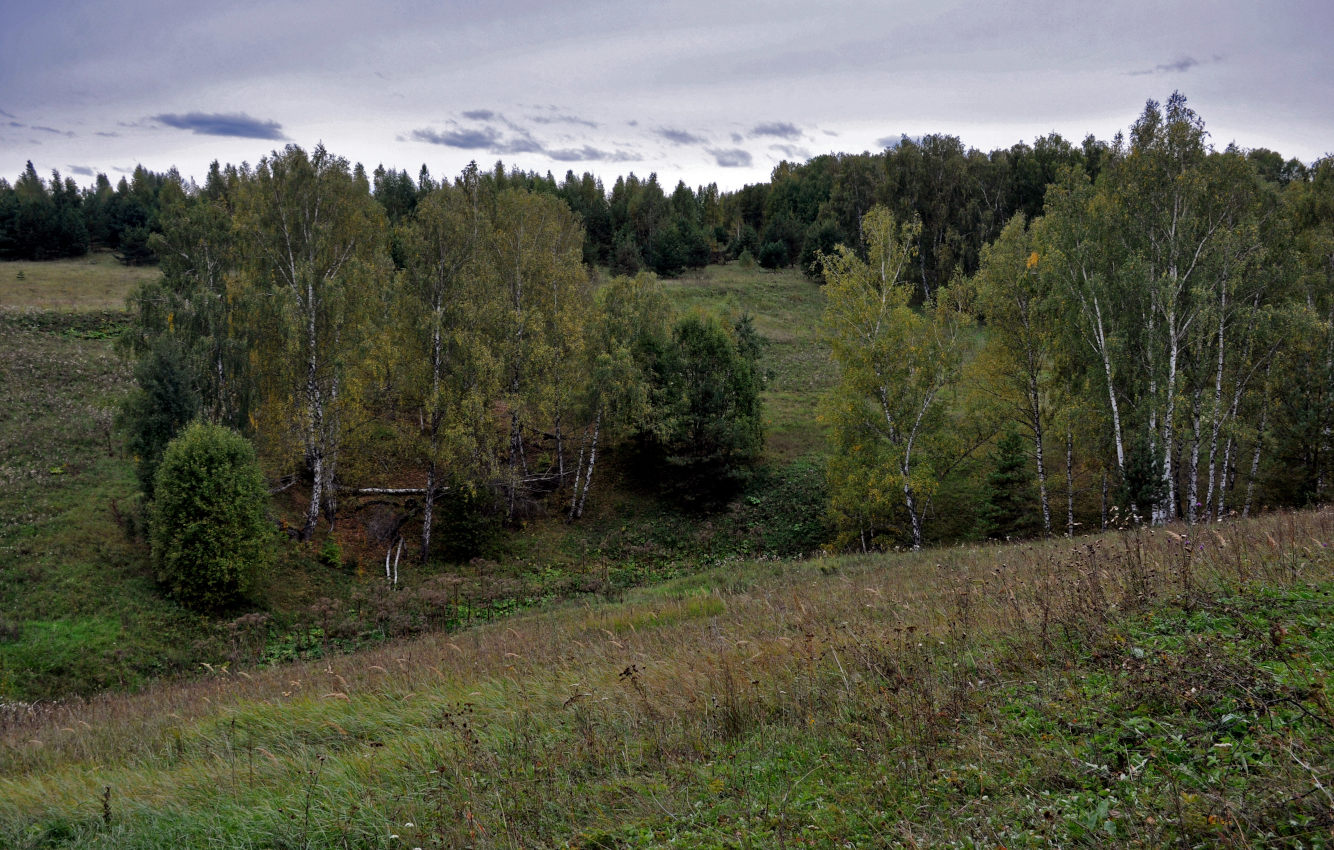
column 1133, row 689
column 80, row 285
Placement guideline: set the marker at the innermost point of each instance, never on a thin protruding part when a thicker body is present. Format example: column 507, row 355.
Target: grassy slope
column 94, row 282
column 786, row 308
column 77, row 610
column 969, row 696
column 1139, row 689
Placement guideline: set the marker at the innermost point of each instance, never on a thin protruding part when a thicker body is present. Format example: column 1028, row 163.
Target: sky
column 705, row 91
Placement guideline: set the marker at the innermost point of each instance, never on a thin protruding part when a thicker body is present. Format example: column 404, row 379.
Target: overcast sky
column 700, row 90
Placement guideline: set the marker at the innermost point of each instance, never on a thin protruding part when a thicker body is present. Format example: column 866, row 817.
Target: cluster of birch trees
column 1162, row 337
column 459, row 350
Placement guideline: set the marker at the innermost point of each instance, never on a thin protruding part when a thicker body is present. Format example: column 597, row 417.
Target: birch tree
column 452, row 374
column 1016, row 364
column 534, row 252
column 894, row 362
column 631, row 318
column 1188, row 216
column 315, row 249
column 200, row 300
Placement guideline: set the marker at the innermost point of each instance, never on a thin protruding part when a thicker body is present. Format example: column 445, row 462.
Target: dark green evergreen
column 1011, row 499
column 707, row 421
column 163, row 402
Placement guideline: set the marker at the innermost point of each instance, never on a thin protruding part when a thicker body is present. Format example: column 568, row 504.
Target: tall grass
column 1098, row 690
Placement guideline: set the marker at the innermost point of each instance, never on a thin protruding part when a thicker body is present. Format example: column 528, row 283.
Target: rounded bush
column 209, row 534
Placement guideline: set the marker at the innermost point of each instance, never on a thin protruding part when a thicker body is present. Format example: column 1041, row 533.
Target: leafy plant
column 209, row 533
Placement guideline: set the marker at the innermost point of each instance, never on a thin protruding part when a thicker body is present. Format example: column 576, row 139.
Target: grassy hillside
column 78, row 610
column 1140, row 688
column 94, row 282
column 1134, row 689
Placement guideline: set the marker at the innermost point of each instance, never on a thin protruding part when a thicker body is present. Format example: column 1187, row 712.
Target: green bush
column 773, row 255
column 209, row 533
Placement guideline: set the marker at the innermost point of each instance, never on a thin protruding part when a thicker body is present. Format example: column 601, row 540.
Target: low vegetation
column 1139, row 688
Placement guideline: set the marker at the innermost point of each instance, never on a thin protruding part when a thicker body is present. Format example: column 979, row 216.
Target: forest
column 1027, row 342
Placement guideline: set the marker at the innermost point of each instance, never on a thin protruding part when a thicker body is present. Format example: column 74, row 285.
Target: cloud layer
column 236, row 125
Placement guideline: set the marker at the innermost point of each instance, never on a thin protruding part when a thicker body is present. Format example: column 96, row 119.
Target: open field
column 94, row 282
column 1133, row 689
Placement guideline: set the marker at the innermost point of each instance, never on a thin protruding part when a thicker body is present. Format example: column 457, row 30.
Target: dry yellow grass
column 94, row 282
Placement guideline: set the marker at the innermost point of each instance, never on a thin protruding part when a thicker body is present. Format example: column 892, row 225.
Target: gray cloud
column 7, row 115
column 52, row 130
column 792, row 152
column 780, row 129
column 107, row 135
column 480, row 115
column 731, row 157
column 236, row 125
column 679, row 137
column 81, row 170
column 737, row 138
column 484, row 137
column 588, row 153
column 1185, row 63
column 892, row 142
column 565, row 118
column 522, row 143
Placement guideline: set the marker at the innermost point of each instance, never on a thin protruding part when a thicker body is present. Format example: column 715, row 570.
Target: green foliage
column 706, row 426
column 822, row 239
column 163, row 403
column 773, row 255
column 1011, row 501
column 746, row 241
column 626, row 258
column 209, row 531
column 884, row 414
column 468, row 523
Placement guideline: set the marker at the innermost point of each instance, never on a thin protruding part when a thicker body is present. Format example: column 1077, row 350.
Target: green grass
column 94, row 282
column 1089, row 694
column 787, row 308
column 78, row 609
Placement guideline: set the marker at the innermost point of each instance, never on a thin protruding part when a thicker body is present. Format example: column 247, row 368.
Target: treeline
column 55, row 219
column 452, row 359
column 1159, row 345
column 962, row 197
column 634, row 227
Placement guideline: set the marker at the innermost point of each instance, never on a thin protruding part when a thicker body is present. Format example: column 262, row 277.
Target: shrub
column 773, row 255
column 209, row 533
